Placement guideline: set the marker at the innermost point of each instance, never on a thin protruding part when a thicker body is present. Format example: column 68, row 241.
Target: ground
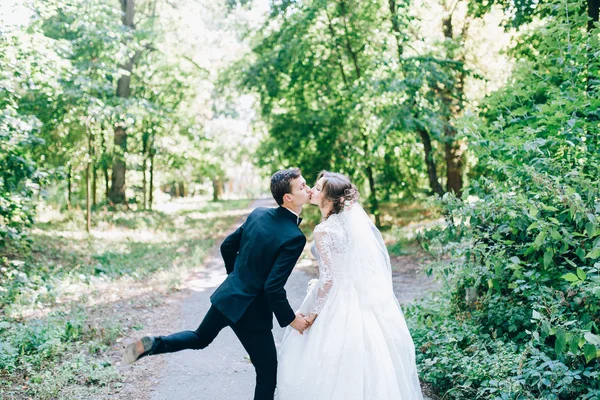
column 136, row 274
column 222, row 371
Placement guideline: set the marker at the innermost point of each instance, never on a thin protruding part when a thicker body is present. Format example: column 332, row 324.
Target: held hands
column 299, row 323
column 311, row 318
column 302, row 323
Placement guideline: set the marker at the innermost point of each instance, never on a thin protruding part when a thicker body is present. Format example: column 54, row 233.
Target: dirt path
column 221, row 371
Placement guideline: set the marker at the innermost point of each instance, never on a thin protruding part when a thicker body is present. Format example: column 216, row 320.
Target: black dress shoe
column 139, row 349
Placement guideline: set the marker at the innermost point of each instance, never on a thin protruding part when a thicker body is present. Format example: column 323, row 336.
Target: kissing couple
column 348, row 340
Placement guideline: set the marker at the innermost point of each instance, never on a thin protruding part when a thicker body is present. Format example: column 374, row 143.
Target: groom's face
column 300, row 192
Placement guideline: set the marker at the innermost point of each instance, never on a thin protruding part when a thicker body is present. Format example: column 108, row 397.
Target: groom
column 259, row 257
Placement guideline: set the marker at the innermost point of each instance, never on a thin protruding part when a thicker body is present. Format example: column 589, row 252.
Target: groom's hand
column 299, row 323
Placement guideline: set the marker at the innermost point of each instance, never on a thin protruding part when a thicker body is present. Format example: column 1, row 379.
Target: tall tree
column 318, row 77
column 453, row 98
column 119, row 169
column 415, row 107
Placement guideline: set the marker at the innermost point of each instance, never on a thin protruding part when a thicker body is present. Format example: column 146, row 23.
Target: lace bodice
column 328, row 248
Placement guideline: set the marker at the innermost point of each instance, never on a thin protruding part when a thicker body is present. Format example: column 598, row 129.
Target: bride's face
column 317, row 193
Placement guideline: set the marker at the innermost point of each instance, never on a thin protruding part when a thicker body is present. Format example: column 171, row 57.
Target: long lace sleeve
column 324, row 247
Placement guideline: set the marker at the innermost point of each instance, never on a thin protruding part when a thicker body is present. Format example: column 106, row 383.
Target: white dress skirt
column 358, row 348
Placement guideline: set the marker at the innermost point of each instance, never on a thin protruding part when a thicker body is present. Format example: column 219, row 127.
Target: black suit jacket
column 259, row 257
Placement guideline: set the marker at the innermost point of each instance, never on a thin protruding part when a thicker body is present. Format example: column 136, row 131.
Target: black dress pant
column 258, row 343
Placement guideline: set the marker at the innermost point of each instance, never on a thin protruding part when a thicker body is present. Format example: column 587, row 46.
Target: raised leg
column 209, row 328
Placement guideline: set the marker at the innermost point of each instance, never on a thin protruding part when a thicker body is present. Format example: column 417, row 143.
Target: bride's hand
column 311, row 318
column 300, row 323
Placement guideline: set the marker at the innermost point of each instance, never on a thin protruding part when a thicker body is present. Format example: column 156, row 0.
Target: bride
column 358, row 346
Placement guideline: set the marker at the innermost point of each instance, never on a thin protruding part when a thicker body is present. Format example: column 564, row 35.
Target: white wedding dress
column 359, row 347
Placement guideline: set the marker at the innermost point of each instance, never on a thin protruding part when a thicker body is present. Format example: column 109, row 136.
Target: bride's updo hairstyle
column 338, row 189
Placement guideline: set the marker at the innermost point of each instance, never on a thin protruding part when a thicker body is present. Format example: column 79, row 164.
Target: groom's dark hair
column 281, row 183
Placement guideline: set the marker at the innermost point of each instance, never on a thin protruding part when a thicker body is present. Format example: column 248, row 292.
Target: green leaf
column 589, row 351
column 549, row 208
column 581, row 275
column 498, row 269
column 571, row 263
column 548, row 255
column 591, row 229
column 465, row 194
column 591, row 338
column 570, row 277
column 539, row 240
column 594, row 254
column 574, row 344
column 561, row 340
column 533, row 211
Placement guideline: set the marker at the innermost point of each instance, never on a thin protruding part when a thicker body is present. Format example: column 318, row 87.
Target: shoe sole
column 131, row 354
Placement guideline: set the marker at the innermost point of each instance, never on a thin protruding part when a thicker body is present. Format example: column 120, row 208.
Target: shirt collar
column 293, row 212
column 298, row 219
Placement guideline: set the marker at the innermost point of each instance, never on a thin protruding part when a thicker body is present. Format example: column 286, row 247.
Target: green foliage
column 68, row 277
column 60, row 351
column 459, row 358
column 525, row 274
column 334, row 94
column 60, row 108
column 38, row 276
column 520, row 12
column 19, row 174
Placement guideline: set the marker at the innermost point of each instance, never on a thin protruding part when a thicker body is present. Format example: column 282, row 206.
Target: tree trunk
column 104, row 167
column 88, row 200
column 454, row 167
column 429, row 162
column 151, row 190
column 453, row 103
column 353, row 53
column 93, row 159
column 117, row 189
column 94, row 185
column 69, row 188
column 106, row 184
column 217, row 188
column 593, row 8
column 117, row 192
column 434, row 182
column 339, row 63
column 396, row 28
column 144, row 170
column 144, row 182
column 374, row 204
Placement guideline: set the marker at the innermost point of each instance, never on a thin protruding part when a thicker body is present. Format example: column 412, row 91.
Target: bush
column 524, row 280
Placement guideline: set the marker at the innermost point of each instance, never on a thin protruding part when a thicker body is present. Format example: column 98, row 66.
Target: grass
column 57, row 318
column 62, row 304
